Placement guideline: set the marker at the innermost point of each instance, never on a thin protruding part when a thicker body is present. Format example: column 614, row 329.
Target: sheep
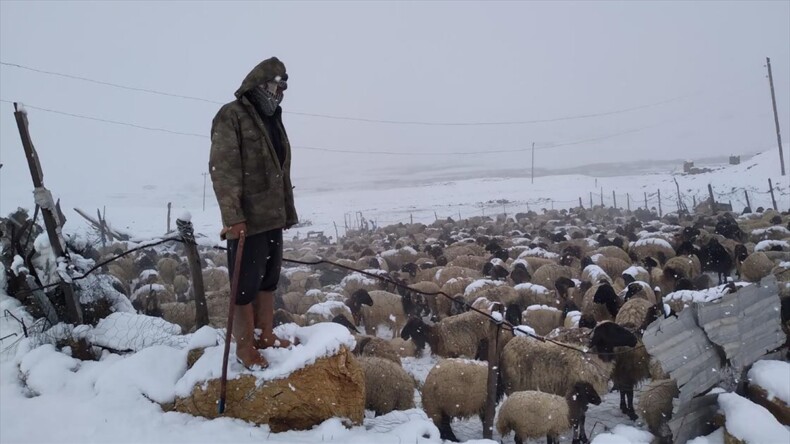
column 454, row 287
column 756, row 266
column 215, row 279
column 656, row 248
column 612, row 252
column 612, row 266
column 298, row 303
column 390, row 310
column 641, row 290
column 528, row 364
column 468, row 261
column 534, row 263
column 631, row 360
column 655, row 407
column 682, row 267
column 533, row 414
column 543, row 319
column 634, row 311
column 594, row 273
column 453, row 337
column 454, row 388
column 180, row 287
column 326, row 311
column 601, row 302
column 181, row 314
column 429, row 290
column 167, row 269
column 548, row 274
column 369, row 345
column 387, row 385
column 577, row 336
column 404, row 348
column 444, row 274
column 282, row 316
column 718, row 259
column 634, row 273
column 355, row 302
column 519, row 274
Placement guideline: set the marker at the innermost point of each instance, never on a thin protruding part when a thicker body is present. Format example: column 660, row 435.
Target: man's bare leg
column 264, row 321
column 243, row 332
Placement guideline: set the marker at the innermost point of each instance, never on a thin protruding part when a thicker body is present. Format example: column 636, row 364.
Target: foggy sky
column 699, row 64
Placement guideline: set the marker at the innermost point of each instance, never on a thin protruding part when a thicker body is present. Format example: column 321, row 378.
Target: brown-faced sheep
column 453, row 337
column 655, row 407
column 454, row 388
column 387, row 385
column 533, row 414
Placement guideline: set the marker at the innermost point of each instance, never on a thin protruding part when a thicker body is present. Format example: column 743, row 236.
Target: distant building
column 687, row 166
column 735, row 160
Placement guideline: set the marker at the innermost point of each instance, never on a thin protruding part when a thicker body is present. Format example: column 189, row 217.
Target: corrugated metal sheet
column 711, row 343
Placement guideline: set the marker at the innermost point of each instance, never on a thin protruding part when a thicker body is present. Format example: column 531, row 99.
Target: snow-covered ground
column 110, row 400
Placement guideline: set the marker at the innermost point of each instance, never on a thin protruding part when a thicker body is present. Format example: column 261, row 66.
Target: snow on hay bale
column 302, row 387
column 769, row 386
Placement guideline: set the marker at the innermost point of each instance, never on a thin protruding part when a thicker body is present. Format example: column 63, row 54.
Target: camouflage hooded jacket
column 248, row 180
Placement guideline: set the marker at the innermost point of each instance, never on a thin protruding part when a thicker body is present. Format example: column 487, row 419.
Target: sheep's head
column 628, row 279
column 493, row 247
column 416, row 330
column 584, row 393
column 741, row 253
column 513, row 314
column 415, row 304
column 562, row 284
column 634, row 289
column 342, row 320
column 502, row 254
column 356, row 301
column 607, row 296
column 674, row 273
column 458, row 305
column 519, row 275
column 282, row 317
column 586, row 262
column 650, row 262
column 587, row 321
column 608, row 335
column 441, row 261
column 683, row 284
column 410, row 268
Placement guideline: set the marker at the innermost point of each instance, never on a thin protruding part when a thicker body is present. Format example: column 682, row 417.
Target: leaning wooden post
column 645, row 200
column 628, row 201
column 771, row 189
column 694, row 202
column 601, row 196
column 748, row 204
column 187, row 232
column 712, row 200
column 614, row 199
column 591, row 202
column 101, row 229
column 337, row 235
column 659, row 204
column 44, row 199
column 493, row 370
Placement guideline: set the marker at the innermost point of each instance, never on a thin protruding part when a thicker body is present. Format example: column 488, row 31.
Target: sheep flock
column 592, row 279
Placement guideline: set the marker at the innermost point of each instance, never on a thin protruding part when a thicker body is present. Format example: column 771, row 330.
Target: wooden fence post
column 591, row 202
column 493, row 371
column 187, row 233
column 101, row 229
column 694, row 202
column 748, row 204
column 44, row 199
column 580, row 202
column 601, row 196
column 659, row 204
column 628, row 201
column 771, row 189
column 712, row 199
column 646, row 209
column 337, row 236
column 169, row 204
column 614, row 199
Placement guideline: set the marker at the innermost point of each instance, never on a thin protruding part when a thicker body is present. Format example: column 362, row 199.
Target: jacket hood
column 262, row 73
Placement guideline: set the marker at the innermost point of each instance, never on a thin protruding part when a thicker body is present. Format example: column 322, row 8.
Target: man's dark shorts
column 260, row 264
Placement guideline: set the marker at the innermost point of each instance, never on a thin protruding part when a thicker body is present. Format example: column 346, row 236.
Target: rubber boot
column 264, row 321
column 244, row 333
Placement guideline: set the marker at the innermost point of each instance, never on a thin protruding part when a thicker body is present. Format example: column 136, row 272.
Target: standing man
column 250, row 166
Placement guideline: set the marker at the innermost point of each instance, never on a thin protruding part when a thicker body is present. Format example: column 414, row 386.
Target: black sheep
column 718, row 260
